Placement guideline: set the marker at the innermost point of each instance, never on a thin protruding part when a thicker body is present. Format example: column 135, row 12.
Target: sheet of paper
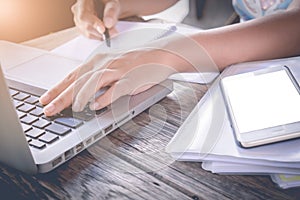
column 81, row 48
column 246, row 169
column 131, row 35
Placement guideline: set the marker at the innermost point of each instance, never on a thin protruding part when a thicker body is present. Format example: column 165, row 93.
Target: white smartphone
column 263, row 106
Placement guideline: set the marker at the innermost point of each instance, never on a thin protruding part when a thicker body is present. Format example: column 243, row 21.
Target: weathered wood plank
column 84, row 177
column 160, row 170
column 148, row 152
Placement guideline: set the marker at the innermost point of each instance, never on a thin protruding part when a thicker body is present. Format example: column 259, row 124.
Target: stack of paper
column 206, row 136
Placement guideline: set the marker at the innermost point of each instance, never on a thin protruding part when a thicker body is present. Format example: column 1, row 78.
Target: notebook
column 34, row 143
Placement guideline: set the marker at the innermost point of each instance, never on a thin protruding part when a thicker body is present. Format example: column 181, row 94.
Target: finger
column 91, row 34
column 65, row 98
column 98, row 25
column 51, row 94
column 111, row 14
column 59, row 103
column 91, row 26
column 116, row 91
column 113, row 31
column 94, row 28
column 97, row 81
column 142, row 88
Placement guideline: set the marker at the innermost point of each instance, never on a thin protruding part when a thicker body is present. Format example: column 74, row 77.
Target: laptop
column 34, row 143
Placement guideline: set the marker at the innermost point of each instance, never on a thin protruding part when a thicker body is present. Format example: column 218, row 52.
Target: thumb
column 111, row 13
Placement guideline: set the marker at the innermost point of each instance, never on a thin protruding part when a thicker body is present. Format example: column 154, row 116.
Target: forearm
column 269, row 37
column 143, row 7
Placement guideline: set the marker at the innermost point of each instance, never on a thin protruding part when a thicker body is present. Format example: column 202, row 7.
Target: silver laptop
column 34, row 143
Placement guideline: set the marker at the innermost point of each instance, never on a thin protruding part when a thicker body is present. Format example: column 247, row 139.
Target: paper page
column 246, row 169
column 131, row 35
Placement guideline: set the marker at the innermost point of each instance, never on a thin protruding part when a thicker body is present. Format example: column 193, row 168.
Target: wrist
column 185, row 54
column 173, row 53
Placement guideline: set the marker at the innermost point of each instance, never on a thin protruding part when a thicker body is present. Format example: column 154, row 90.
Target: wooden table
column 131, row 163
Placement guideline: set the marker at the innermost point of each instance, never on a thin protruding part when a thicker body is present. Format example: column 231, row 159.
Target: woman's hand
column 130, row 73
column 87, row 19
column 126, row 73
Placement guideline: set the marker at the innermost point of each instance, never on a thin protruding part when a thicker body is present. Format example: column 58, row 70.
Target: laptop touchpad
column 44, row 71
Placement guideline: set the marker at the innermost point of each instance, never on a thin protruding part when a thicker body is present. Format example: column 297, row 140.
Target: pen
column 107, row 37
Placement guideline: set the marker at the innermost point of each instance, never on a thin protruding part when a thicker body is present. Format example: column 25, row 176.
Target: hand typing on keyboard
column 127, row 74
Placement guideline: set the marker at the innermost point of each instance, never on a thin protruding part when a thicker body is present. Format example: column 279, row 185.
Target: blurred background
column 22, row 20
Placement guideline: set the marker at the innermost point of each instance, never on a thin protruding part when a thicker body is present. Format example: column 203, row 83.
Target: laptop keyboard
column 41, row 131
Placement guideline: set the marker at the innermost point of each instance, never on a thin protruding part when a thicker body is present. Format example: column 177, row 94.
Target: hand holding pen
column 90, row 25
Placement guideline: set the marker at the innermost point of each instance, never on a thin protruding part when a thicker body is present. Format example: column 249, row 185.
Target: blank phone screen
column 262, row 101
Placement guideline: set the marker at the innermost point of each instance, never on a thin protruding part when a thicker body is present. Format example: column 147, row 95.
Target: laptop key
column 39, row 105
column 37, row 112
column 28, row 139
column 69, row 121
column 26, row 127
column 58, row 129
column 29, row 119
column 101, row 111
column 34, row 133
column 37, row 144
column 51, row 118
column 20, row 114
column 85, row 115
column 13, row 92
column 32, row 100
column 26, row 108
column 18, row 103
column 41, row 123
column 48, row 138
column 21, row 96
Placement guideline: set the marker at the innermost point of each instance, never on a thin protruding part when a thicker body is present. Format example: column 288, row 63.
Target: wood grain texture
column 131, row 163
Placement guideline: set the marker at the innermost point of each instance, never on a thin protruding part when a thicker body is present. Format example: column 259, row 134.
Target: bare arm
column 269, row 37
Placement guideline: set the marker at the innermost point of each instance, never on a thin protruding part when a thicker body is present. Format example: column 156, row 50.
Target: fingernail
column 45, row 98
column 49, row 109
column 99, row 29
column 108, row 22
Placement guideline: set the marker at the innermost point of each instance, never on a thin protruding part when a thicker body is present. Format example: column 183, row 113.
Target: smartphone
column 263, row 106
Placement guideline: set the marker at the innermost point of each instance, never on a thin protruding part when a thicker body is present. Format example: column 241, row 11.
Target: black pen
column 107, row 37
